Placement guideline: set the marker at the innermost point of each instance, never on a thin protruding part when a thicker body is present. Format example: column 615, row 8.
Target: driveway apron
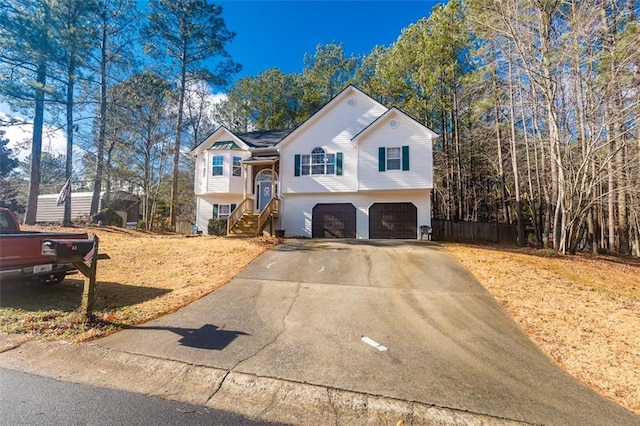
column 397, row 319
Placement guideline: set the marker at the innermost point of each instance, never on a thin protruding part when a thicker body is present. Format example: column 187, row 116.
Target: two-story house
column 354, row 169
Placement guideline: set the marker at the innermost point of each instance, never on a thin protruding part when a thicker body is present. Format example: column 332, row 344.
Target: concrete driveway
column 299, row 314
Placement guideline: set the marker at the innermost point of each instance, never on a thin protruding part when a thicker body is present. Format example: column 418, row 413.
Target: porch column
column 244, row 186
column 273, row 179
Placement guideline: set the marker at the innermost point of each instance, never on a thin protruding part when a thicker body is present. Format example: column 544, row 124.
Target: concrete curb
column 260, row 398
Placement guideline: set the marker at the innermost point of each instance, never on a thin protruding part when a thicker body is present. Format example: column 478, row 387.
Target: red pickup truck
column 21, row 252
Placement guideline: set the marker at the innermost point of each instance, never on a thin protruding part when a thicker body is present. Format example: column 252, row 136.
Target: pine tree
column 189, row 32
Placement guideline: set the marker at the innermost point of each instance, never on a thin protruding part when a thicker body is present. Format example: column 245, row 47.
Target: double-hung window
column 393, row 158
column 319, row 162
column 237, row 166
column 217, row 165
column 222, row 211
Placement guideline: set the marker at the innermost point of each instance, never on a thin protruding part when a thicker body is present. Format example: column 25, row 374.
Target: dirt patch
column 583, row 311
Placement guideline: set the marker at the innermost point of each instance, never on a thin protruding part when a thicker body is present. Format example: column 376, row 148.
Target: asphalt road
column 319, row 312
column 26, row 399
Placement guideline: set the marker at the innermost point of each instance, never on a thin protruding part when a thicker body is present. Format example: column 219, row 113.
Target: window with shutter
column 393, row 158
column 319, row 162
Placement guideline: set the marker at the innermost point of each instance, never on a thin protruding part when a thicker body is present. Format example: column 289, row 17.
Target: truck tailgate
column 25, row 248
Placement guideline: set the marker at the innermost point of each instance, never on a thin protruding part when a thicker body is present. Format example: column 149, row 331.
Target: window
column 237, row 167
column 393, row 158
column 318, row 163
column 223, row 211
column 217, row 168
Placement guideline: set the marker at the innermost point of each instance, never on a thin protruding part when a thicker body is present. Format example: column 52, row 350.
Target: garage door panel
column 333, row 221
column 393, row 220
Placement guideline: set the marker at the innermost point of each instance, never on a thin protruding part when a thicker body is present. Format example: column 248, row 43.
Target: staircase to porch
column 246, row 226
column 244, row 221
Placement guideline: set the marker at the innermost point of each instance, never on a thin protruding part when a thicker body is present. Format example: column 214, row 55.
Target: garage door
column 333, row 221
column 393, row 220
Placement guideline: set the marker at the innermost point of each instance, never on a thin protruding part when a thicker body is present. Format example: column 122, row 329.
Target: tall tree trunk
column 501, row 178
column 102, row 124
column 447, row 164
column 36, row 146
column 456, row 141
column 623, row 222
column 176, row 153
column 532, row 198
column 514, row 158
column 69, row 160
column 611, row 189
column 549, row 93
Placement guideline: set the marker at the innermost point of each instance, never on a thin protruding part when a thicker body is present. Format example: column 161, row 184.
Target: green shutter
column 296, row 170
column 382, row 159
column 339, row 164
column 215, row 211
column 233, row 207
column 405, row 158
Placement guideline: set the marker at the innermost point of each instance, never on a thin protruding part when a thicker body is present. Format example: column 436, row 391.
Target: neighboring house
column 355, row 169
column 49, row 211
column 126, row 205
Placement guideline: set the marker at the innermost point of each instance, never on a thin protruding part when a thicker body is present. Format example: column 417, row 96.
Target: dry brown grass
column 583, row 311
column 147, row 276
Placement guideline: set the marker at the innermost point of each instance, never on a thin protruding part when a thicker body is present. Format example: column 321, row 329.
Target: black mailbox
column 66, row 248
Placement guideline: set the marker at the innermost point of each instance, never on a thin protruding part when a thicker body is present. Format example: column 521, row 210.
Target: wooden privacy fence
column 184, row 227
column 473, row 232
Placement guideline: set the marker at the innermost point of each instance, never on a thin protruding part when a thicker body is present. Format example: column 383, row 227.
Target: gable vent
column 393, row 124
column 352, row 102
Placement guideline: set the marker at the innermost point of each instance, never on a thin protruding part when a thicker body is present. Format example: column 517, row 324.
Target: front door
column 265, row 194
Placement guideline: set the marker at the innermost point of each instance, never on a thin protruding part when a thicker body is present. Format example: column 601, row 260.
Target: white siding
column 296, row 214
column 80, row 206
column 209, row 184
column 204, row 208
column 200, row 181
column 407, row 133
column 332, row 129
column 235, row 182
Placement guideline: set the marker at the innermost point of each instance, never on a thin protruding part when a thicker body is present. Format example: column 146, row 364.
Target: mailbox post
column 84, row 256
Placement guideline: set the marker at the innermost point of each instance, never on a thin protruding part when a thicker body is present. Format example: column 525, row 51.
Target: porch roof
column 261, row 160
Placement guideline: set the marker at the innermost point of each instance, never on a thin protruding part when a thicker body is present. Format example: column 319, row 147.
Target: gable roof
column 403, row 115
column 350, row 89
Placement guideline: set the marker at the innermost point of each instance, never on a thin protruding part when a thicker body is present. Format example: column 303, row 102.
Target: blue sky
column 277, row 34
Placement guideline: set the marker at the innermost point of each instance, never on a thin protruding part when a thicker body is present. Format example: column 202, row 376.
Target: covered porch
column 260, row 204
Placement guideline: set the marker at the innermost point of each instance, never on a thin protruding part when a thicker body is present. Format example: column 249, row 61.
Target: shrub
column 217, row 227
